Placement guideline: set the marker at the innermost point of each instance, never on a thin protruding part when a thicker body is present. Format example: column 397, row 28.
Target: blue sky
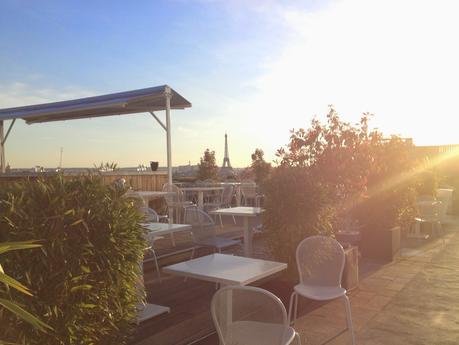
column 252, row 68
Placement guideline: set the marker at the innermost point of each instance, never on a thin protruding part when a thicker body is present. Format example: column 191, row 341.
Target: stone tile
column 396, row 286
column 378, row 302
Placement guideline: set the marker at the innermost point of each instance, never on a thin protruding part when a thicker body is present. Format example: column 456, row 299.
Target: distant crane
column 60, row 159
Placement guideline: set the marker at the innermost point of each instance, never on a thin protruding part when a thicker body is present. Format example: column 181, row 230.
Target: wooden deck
column 189, row 320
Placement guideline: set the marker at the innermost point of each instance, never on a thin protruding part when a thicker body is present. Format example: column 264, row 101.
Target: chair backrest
column 135, row 198
column 446, row 197
column 202, row 224
column 429, row 210
column 227, row 195
column 320, row 261
column 249, row 189
column 175, row 196
column 235, row 309
column 425, row 197
column 149, row 214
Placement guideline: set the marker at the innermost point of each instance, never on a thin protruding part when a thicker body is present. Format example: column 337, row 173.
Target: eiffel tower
column 226, row 161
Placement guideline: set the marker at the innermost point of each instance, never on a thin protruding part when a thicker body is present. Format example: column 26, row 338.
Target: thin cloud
column 16, row 94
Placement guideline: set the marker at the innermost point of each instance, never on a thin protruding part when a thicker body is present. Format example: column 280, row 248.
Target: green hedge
column 84, row 277
column 296, row 206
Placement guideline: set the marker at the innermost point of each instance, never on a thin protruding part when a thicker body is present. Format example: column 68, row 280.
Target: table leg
column 147, row 311
column 201, row 199
column 247, row 238
column 238, row 196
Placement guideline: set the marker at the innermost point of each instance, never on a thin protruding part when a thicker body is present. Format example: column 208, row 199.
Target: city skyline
column 255, row 69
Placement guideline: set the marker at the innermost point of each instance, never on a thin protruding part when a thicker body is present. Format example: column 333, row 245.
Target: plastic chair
column 428, row 212
column 135, row 198
column 247, row 315
column 320, row 262
column 152, row 216
column 175, row 200
column 203, row 231
column 249, row 192
column 224, row 201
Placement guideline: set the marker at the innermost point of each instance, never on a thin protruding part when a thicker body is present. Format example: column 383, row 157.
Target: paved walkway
column 414, row 300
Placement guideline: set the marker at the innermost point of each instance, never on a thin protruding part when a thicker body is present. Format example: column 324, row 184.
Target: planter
column 154, row 166
column 350, row 278
column 381, row 245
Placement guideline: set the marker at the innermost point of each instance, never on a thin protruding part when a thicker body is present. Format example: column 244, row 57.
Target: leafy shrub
column 260, row 167
column 7, row 283
column 84, row 277
column 390, row 196
column 296, row 206
column 207, row 166
column 427, row 183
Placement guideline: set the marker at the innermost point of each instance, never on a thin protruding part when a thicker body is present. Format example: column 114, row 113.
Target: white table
column 148, row 195
column 148, row 311
column 200, row 191
column 158, row 229
column 246, row 213
column 226, row 269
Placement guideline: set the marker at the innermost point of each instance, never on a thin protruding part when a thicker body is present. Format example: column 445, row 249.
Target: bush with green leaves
column 296, row 206
column 207, row 166
column 85, row 277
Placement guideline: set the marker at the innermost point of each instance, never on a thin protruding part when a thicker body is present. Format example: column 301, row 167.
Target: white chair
column 428, row 212
column 320, row 262
column 247, row 315
column 203, row 231
column 249, row 194
column 175, row 201
column 224, row 201
column 445, row 195
column 152, row 216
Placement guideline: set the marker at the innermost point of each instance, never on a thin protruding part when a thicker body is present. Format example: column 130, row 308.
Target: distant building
column 185, row 170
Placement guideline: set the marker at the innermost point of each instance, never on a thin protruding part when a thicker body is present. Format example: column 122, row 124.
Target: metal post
column 168, row 95
column 2, row 149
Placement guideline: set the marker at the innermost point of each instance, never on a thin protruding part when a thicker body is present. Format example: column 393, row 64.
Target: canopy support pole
column 168, row 95
column 159, row 121
column 2, row 144
column 2, row 149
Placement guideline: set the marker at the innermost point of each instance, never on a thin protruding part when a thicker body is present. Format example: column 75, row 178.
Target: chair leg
column 350, row 327
column 221, row 222
column 191, row 257
column 297, row 337
column 234, row 220
column 293, row 306
column 156, row 264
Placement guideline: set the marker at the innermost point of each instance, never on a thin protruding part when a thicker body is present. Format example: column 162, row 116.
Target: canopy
column 128, row 102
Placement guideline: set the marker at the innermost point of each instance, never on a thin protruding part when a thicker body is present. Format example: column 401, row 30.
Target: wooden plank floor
column 190, row 319
column 189, row 300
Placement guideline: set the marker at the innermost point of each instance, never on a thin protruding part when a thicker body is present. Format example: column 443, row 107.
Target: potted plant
column 154, row 165
column 387, row 206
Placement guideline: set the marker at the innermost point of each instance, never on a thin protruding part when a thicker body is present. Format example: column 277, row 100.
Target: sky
column 254, row 69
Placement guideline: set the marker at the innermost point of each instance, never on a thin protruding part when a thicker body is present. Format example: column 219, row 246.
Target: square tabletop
column 201, row 189
column 158, row 229
column 226, row 269
column 239, row 211
column 152, row 194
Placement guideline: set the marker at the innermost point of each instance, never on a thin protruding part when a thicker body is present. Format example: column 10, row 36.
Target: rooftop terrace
column 412, row 300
